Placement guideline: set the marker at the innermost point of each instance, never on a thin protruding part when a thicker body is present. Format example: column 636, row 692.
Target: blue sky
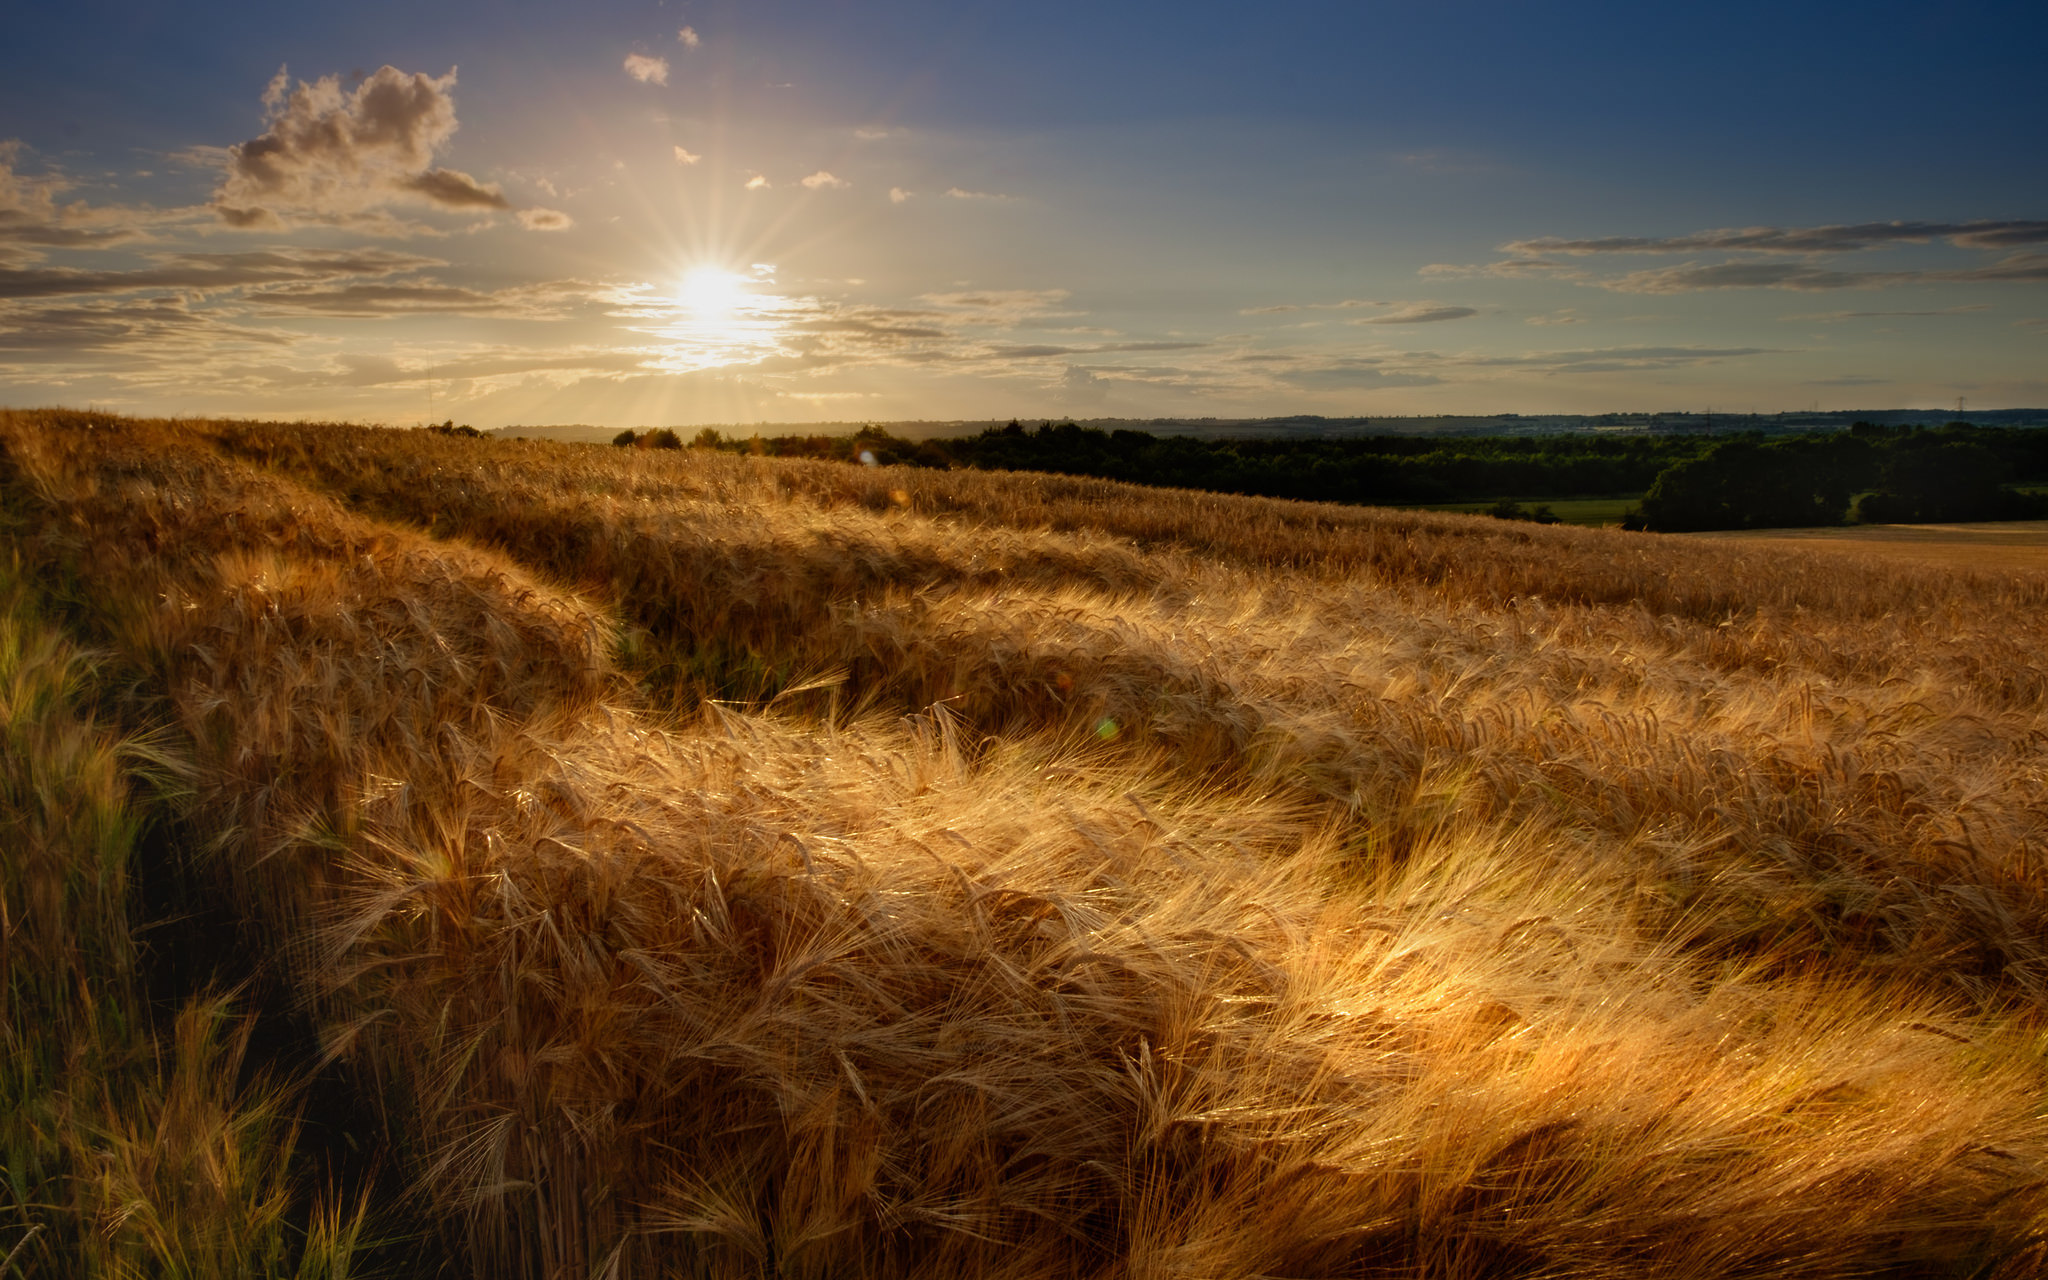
column 708, row 212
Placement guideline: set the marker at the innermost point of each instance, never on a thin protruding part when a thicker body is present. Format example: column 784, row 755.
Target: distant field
column 1589, row 512
column 2009, row 544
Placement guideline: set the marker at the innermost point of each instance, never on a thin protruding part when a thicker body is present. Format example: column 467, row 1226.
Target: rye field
column 431, row 856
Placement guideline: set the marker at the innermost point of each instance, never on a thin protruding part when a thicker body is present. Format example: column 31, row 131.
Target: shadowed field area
column 689, row 864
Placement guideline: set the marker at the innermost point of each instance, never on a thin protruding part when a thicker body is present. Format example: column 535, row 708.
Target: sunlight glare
column 711, row 292
column 712, row 317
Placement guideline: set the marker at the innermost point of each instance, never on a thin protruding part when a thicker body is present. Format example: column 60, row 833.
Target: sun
column 710, row 317
column 711, row 292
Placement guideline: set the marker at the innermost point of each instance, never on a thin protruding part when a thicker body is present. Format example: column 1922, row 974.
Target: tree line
column 1869, row 472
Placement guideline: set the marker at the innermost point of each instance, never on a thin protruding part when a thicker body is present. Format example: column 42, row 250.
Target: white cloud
column 759, row 182
column 897, row 195
column 961, row 193
column 328, row 153
column 871, row 133
column 545, row 220
column 685, row 156
column 822, row 179
column 689, row 37
column 645, row 69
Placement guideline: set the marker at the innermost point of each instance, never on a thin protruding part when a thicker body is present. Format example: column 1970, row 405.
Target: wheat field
column 712, row 866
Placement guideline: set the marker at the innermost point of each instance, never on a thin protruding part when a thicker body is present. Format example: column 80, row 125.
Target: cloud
column 1564, row 315
column 1042, row 351
column 897, row 195
column 1355, row 373
column 1980, row 234
column 456, row 190
column 1277, row 308
column 1507, row 269
column 684, row 156
column 871, row 133
column 545, row 220
column 2019, row 268
column 371, row 299
column 30, row 197
column 333, row 156
column 645, row 69
column 210, row 272
column 1612, row 359
column 1082, row 388
column 881, row 326
column 822, row 179
column 1886, row 315
column 31, row 218
column 689, row 38
column 99, row 327
column 1848, row 380
column 961, row 193
column 1745, row 275
column 1000, row 306
column 759, row 182
column 1421, row 313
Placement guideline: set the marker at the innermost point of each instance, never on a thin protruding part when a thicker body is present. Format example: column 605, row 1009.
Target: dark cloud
column 453, row 189
column 1981, row 234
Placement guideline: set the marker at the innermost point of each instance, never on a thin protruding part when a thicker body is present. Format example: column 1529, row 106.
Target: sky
column 674, row 212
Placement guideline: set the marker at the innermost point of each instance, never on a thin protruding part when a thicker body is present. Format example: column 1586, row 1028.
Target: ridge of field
column 723, row 866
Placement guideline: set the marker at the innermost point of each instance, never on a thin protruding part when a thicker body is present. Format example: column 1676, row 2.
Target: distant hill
column 1312, row 426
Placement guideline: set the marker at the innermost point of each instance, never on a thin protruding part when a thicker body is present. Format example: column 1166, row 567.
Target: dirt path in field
column 2007, row 544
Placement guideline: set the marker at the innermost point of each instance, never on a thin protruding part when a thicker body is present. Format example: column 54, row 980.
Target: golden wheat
column 1092, row 881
